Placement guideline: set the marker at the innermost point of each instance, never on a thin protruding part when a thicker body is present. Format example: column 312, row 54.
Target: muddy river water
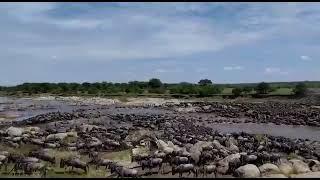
column 23, row 108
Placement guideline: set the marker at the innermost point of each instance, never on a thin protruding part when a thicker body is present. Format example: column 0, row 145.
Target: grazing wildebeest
column 151, row 163
column 184, row 168
column 14, row 158
column 139, row 158
column 233, row 165
column 123, row 171
column 43, row 156
column 3, row 161
column 179, row 160
column 275, row 158
column 248, row 159
column 101, row 162
column 18, row 166
column 77, row 163
column 207, row 169
column 93, row 155
column 33, row 167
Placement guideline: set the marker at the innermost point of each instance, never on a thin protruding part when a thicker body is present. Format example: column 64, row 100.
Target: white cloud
column 160, row 71
column 201, row 70
column 230, row 68
column 169, row 70
column 275, row 70
column 140, row 31
column 305, row 58
column 116, row 35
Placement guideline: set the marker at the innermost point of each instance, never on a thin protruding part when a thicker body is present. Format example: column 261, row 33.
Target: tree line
column 203, row 88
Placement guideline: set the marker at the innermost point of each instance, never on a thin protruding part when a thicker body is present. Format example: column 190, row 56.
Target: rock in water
column 248, row 171
column 299, row 166
column 14, row 131
column 269, row 168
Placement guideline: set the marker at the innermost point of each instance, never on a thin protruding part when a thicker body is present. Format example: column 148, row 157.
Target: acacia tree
column 155, row 83
column 262, row 88
column 203, row 82
column 247, row 89
column 237, row 91
column 300, row 89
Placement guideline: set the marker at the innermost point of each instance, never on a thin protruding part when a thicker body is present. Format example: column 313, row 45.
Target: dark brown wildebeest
column 74, row 163
column 124, row 172
column 182, row 168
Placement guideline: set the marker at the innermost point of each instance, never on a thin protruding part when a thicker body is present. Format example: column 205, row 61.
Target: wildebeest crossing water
column 213, row 139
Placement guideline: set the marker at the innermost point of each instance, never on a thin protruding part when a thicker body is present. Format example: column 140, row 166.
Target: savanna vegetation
column 204, row 88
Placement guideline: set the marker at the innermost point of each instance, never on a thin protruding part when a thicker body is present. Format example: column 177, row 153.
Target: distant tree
column 155, row 83
column 208, row 90
column 203, row 82
column 157, row 90
column 262, row 88
column 237, row 91
column 247, row 89
column 300, row 89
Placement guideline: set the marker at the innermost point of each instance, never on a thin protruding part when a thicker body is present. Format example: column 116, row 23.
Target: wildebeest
column 151, row 163
column 43, row 156
column 179, row 160
column 207, row 169
column 182, row 168
column 3, row 161
column 248, row 159
column 32, row 167
column 74, row 162
column 123, row 171
column 101, row 162
column 139, row 158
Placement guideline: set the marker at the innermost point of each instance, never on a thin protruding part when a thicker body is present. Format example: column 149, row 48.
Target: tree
column 237, row 91
column 208, row 90
column 247, row 89
column 155, row 83
column 300, row 89
column 203, row 82
column 262, row 88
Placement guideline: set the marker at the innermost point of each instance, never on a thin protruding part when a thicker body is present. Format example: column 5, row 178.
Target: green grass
column 293, row 156
column 282, row 91
column 260, row 137
column 227, row 91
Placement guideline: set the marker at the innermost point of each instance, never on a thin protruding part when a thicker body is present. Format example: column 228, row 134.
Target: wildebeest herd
column 175, row 144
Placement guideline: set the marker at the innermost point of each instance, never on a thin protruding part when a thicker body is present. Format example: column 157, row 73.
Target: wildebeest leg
column 6, row 167
column 195, row 174
column 160, row 168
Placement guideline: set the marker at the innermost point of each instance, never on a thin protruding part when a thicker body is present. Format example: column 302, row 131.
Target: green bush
column 237, row 92
column 300, row 89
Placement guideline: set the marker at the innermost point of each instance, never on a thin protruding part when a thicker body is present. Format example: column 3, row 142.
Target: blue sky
column 121, row 42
